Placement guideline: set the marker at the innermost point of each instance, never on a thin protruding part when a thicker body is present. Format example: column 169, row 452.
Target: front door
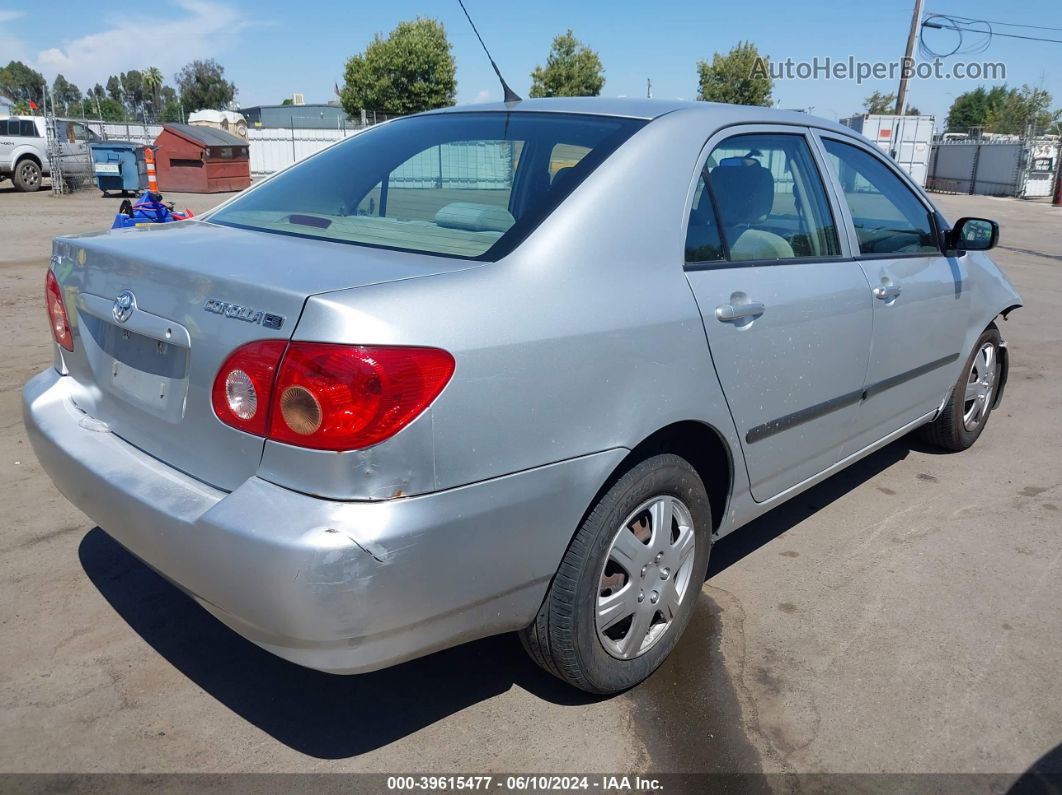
column 920, row 300
column 786, row 312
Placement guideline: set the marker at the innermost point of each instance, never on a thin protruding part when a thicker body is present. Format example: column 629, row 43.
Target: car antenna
column 510, row 95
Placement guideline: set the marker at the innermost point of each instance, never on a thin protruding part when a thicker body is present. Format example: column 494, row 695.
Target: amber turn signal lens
column 300, row 410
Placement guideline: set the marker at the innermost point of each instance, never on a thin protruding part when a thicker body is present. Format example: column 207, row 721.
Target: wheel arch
column 29, row 156
column 697, row 442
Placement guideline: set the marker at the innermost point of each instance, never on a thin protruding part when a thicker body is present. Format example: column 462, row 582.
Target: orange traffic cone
column 149, row 158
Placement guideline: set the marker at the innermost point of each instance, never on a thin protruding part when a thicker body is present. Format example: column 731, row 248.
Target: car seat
column 744, row 191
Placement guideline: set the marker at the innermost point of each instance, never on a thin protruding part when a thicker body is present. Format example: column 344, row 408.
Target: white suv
column 24, row 150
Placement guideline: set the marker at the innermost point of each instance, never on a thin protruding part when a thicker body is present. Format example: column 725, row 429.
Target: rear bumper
column 337, row 586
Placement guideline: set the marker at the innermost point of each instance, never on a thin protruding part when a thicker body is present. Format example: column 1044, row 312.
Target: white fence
column 1025, row 169
column 276, row 148
column 466, row 165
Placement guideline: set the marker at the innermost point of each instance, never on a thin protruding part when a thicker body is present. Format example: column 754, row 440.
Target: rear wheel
column 627, row 585
column 967, row 410
column 27, row 176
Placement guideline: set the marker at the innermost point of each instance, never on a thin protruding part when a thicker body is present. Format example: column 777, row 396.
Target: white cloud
column 12, row 48
column 201, row 30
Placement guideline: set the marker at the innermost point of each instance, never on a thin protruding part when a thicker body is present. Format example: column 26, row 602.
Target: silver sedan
column 508, row 368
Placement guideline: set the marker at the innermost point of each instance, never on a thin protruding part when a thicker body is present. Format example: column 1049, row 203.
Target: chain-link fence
column 69, row 155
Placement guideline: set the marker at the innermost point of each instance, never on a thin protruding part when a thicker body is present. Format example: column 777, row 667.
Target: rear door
column 921, row 303
column 786, row 311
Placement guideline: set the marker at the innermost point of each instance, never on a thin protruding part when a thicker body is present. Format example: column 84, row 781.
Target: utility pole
column 908, row 60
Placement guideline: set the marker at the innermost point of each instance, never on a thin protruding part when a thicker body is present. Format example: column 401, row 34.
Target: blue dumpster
column 119, row 166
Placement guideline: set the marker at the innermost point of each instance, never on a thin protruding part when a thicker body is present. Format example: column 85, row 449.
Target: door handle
column 728, row 313
column 886, row 292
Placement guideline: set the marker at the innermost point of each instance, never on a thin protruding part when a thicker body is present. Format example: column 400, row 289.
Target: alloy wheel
column 29, row 174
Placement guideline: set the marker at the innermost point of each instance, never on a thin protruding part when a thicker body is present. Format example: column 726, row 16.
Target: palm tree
column 153, row 82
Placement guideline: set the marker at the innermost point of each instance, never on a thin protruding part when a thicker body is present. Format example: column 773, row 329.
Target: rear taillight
column 329, row 397
column 60, row 322
column 244, row 383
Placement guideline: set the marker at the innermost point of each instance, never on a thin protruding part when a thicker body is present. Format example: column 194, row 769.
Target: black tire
column 27, row 176
column 563, row 638
column 949, row 431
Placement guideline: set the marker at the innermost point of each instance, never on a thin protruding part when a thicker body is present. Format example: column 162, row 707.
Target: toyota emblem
column 123, row 306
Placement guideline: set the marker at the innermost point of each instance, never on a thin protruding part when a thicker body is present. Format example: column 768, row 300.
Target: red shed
column 201, row 160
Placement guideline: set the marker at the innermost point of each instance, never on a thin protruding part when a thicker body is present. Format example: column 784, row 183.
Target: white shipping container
column 906, row 139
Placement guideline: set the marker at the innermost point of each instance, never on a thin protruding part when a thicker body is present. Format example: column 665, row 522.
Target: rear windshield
column 469, row 185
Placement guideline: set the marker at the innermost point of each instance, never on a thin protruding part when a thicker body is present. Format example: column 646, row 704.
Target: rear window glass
column 470, row 185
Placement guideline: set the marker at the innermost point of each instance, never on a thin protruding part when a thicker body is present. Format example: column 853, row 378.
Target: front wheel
column 627, row 585
column 967, row 410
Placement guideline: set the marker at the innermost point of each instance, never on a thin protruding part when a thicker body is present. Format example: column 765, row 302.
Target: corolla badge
column 124, row 303
column 244, row 313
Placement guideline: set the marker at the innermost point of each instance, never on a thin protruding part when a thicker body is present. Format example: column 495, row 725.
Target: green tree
column 203, row 86
column 114, row 88
column 67, row 96
column 741, row 77
column 152, row 85
column 110, row 110
column 19, row 82
column 287, row 101
column 1023, row 110
column 411, row 70
column 879, row 103
column 572, row 70
column 133, row 90
column 169, row 105
column 1003, row 110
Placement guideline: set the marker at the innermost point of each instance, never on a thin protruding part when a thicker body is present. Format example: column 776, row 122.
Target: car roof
column 654, row 108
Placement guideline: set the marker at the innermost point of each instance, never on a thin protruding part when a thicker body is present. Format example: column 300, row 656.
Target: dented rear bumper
column 338, row 586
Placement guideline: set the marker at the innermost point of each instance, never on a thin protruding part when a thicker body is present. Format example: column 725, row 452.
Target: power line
column 989, row 33
column 993, row 22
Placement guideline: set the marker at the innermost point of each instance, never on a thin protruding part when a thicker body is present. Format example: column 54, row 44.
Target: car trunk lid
column 157, row 310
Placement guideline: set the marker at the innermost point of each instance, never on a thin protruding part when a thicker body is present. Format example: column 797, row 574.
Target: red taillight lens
column 60, row 322
column 342, row 397
column 244, row 384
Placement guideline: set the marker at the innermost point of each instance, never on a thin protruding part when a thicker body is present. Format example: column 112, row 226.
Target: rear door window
column 770, row 202
column 469, row 185
column 888, row 217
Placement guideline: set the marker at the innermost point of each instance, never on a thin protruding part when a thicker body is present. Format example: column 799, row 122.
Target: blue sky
column 274, row 47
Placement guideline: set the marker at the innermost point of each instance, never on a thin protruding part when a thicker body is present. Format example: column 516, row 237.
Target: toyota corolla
column 508, row 368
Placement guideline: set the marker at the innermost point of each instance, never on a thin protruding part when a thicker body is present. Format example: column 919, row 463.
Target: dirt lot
column 903, row 616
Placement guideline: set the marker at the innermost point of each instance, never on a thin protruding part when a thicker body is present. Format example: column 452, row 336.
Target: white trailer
column 906, row 139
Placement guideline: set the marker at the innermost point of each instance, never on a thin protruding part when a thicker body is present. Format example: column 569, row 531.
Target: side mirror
column 973, row 234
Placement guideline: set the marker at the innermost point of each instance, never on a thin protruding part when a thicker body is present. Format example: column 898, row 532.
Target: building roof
column 207, row 136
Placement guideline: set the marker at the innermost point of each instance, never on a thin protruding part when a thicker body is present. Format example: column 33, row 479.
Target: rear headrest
column 743, row 189
column 474, row 217
column 562, row 176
